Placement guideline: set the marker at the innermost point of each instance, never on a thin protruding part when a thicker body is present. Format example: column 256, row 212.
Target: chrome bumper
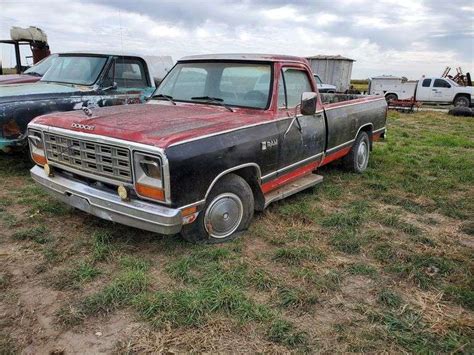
column 108, row 206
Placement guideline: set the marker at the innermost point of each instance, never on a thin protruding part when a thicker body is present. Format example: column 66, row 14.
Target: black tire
column 461, row 111
column 462, row 101
column 224, row 196
column 391, row 97
column 352, row 161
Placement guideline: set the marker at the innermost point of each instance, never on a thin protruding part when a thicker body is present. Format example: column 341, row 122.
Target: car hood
column 156, row 123
column 35, row 91
column 18, row 79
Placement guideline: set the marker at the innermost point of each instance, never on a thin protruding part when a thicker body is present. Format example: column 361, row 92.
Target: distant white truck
column 430, row 90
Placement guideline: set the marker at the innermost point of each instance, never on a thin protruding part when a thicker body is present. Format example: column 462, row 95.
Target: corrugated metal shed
column 333, row 69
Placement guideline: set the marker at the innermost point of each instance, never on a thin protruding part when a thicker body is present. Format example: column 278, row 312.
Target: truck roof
column 246, row 56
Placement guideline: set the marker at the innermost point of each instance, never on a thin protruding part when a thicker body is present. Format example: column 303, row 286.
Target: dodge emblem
column 83, row 126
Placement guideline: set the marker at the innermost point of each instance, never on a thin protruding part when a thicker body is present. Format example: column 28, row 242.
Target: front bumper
column 109, row 206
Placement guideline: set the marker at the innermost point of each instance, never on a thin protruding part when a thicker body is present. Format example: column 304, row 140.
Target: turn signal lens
column 188, row 211
column 154, row 193
column 35, row 139
column 38, row 159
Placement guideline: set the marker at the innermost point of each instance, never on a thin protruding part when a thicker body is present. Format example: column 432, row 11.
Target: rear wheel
column 229, row 210
column 462, row 101
column 391, row 97
column 358, row 158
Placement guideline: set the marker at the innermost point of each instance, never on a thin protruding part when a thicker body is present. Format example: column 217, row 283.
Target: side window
column 129, row 73
column 426, row 83
column 296, row 82
column 281, row 92
column 440, row 83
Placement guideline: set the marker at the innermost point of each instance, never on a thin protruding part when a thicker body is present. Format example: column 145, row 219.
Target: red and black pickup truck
column 223, row 136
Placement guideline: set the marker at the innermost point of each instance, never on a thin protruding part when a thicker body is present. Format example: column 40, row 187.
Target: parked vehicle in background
column 211, row 146
column 427, row 90
column 30, row 75
column 33, row 37
column 324, row 88
column 75, row 81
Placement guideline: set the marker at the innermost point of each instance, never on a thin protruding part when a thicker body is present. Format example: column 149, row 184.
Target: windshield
column 42, row 66
column 318, row 79
column 80, row 70
column 232, row 84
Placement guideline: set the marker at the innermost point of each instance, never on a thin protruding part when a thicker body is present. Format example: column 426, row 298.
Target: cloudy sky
column 398, row 37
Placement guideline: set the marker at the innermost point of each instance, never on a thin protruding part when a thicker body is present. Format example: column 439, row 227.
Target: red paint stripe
column 339, row 154
column 289, row 177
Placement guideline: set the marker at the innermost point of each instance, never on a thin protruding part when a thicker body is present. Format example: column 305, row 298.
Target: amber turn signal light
column 154, row 193
column 188, row 211
column 39, row 159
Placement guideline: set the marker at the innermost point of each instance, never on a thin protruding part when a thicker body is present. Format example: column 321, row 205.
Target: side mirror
column 308, row 103
column 111, row 87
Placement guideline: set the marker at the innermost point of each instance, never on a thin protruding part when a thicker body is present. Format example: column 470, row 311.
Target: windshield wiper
column 166, row 97
column 213, row 99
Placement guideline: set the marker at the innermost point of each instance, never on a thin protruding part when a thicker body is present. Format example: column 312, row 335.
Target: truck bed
column 346, row 114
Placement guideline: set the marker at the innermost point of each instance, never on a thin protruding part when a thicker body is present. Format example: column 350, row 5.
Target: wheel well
column 368, row 130
column 462, row 94
column 251, row 174
column 390, row 93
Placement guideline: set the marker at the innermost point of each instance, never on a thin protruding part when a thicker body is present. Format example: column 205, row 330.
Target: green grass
column 297, row 255
column 38, row 234
column 362, row 269
column 101, row 245
column 128, row 285
column 284, row 332
column 296, row 298
column 389, row 298
column 377, row 262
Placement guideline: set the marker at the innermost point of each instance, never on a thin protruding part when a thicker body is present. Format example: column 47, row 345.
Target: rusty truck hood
column 157, row 123
column 18, row 79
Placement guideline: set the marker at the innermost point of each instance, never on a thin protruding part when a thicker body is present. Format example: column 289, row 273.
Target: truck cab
column 443, row 90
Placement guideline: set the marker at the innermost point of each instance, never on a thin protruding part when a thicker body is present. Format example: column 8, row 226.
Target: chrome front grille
column 93, row 158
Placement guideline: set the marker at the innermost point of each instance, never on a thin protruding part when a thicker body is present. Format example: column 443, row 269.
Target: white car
column 322, row 87
column 430, row 90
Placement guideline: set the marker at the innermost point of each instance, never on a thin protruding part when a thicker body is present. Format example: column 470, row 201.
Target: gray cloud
column 387, row 36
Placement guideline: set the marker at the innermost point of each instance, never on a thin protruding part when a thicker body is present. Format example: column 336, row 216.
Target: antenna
column 123, row 53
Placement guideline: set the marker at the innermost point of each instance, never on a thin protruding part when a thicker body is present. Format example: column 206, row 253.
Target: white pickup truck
column 430, row 90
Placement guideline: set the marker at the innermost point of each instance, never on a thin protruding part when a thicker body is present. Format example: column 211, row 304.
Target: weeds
column 296, row 255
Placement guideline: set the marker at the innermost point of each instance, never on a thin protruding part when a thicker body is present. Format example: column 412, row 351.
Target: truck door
column 423, row 91
column 126, row 82
column 302, row 138
column 441, row 91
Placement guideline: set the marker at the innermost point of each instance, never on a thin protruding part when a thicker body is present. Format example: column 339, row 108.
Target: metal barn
column 333, row 69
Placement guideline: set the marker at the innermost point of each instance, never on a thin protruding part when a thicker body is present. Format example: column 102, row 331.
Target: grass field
column 374, row 262
column 361, row 85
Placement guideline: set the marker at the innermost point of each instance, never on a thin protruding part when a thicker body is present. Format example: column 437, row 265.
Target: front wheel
column 229, row 209
column 358, row 158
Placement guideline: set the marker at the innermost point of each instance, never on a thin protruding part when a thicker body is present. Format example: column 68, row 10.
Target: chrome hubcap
column 362, row 155
column 223, row 215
